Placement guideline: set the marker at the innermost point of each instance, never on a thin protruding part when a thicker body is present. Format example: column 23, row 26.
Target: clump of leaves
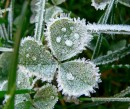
column 55, row 63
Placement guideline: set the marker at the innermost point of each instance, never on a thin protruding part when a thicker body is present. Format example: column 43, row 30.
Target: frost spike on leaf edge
column 100, row 6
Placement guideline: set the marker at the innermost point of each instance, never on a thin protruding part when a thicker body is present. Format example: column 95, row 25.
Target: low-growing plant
column 45, row 66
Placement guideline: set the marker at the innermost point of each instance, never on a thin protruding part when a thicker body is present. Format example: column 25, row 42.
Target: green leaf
column 46, row 97
column 57, row 2
column 5, row 61
column 24, row 105
column 35, row 59
column 67, row 37
column 114, row 56
column 78, row 77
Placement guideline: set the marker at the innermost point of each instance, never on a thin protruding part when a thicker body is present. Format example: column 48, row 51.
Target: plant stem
column 13, row 70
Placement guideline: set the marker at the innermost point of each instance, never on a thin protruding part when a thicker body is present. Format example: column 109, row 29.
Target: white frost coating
column 51, row 12
column 40, row 17
column 3, row 49
column 105, row 28
column 69, row 76
column 63, row 29
column 46, row 97
column 4, row 10
column 40, row 64
column 72, row 28
column 29, row 38
column 34, row 58
column 58, row 39
column 68, row 43
column 27, row 55
column 76, row 35
column 2, row 85
column 100, row 5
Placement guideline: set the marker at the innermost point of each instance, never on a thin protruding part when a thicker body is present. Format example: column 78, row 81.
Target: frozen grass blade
column 108, row 29
column 119, row 95
column 3, row 49
column 114, row 56
column 24, row 91
column 103, row 20
column 3, row 31
column 10, row 20
column 124, row 99
column 39, row 20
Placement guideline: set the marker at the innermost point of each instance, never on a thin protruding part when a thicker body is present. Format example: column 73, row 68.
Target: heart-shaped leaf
column 67, row 37
column 46, row 97
column 35, row 58
column 78, row 77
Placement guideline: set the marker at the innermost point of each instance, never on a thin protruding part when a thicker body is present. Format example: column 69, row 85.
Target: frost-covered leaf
column 67, row 37
column 51, row 12
column 100, row 4
column 46, row 97
column 3, row 85
column 125, row 2
column 24, row 105
column 78, row 77
column 23, row 82
column 57, row 2
column 5, row 60
column 114, row 56
column 36, row 59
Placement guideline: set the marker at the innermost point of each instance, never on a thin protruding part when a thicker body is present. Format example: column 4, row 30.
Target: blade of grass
column 103, row 20
column 12, row 74
column 24, row 91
